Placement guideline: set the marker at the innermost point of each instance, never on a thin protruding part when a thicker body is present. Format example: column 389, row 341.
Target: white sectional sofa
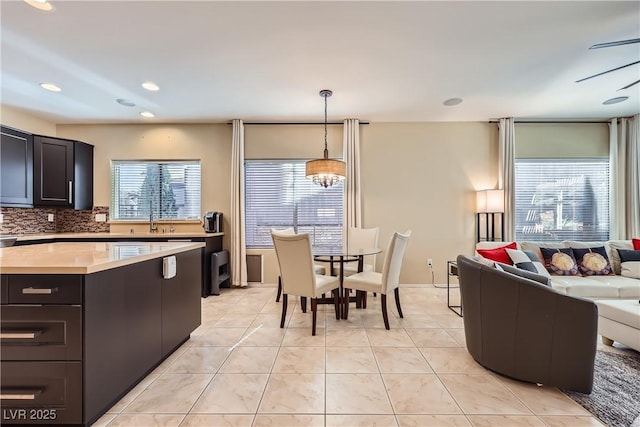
column 591, row 287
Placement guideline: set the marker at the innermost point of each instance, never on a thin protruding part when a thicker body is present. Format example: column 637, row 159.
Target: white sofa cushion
column 597, row 287
column 624, row 311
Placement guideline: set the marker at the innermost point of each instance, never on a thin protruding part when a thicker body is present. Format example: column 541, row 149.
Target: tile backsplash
column 18, row 221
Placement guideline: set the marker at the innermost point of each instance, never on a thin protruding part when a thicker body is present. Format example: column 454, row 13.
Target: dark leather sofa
column 521, row 328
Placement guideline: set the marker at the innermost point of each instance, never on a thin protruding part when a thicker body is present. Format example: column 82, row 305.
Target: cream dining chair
column 360, row 238
column 319, row 269
column 388, row 280
column 298, row 276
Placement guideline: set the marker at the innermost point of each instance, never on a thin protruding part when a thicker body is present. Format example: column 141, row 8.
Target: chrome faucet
column 153, row 225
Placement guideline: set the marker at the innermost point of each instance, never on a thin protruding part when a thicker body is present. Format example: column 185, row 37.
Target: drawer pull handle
column 38, row 291
column 20, row 395
column 19, row 335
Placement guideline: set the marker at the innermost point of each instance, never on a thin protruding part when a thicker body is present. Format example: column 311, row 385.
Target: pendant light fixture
column 326, row 171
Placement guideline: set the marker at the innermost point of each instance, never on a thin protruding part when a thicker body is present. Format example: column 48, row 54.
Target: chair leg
column 345, row 315
column 279, row 289
column 358, row 299
column 284, row 309
column 314, row 309
column 303, row 303
column 364, row 299
column 397, row 295
column 385, row 317
column 336, row 302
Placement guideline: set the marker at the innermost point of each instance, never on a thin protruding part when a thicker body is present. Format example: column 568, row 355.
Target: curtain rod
column 553, row 122
column 295, row 123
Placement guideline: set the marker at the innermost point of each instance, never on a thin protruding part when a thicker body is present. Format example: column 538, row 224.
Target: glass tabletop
column 329, row 251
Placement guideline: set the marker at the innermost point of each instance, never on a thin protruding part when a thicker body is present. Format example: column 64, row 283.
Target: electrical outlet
column 430, row 263
column 51, row 217
column 1, row 218
column 101, row 217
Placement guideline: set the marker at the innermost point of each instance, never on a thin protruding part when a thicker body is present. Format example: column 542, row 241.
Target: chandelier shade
column 326, row 171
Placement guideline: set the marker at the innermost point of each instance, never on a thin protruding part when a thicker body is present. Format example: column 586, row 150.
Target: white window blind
column 166, row 189
column 562, row 199
column 277, row 195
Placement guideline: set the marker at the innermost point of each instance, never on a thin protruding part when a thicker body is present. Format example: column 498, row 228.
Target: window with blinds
column 278, row 195
column 562, row 199
column 166, row 189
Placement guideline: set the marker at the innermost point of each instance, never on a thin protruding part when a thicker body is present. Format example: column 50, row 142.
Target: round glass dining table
column 341, row 256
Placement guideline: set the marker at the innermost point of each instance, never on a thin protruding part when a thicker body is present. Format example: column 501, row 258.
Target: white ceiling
column 267, row 61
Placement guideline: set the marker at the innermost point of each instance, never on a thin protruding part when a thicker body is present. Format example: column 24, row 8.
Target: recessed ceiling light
column 452, row 101
column 150, row 86
column 40, row 4
column 125, row 102
column 50, row 86
column 615, row 100
column 148, row 114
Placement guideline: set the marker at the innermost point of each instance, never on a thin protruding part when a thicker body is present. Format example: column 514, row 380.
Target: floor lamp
column 490, row 215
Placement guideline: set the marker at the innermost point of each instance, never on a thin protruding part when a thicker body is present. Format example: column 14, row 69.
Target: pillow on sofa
column 498, row 254
column 535, row 247
column 527, row 260
column 630, row 265
column 560, row 261
column 614, row 256
column 593, row 261
column 636, row 244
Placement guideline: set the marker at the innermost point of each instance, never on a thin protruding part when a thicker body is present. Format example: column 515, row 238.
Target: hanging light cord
column 326, row 151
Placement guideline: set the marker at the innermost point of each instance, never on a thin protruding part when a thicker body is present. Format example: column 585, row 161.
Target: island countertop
column 84, row 257
column 115, row 235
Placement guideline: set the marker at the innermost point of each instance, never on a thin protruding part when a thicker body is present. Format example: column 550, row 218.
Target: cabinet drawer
column 45, row 289
column 41, row 393
column 41, row 332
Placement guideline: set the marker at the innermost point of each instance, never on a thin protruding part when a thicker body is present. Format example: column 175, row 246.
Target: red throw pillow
column 498, row 254
column 636, row 244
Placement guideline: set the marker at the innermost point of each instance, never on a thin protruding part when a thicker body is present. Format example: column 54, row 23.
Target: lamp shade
column 325, row 172
column 490, row 201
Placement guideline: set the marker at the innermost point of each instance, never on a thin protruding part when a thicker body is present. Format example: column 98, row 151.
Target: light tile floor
column 240, row 369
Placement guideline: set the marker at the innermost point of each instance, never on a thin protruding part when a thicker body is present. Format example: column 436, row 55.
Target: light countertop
column 106, row 235
column 84, row 257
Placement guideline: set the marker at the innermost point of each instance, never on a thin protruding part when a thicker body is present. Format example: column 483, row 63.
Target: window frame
column 114, row 204
column 601, row 228
column 297, row 225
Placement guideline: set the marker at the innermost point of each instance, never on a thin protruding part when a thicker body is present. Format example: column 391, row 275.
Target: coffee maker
column 212, row 222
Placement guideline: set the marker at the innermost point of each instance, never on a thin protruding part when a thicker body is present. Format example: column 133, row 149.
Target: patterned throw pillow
column 593, row 261
column 527, row 260
column 630, row 265
column 498, row 254
column 560, row 261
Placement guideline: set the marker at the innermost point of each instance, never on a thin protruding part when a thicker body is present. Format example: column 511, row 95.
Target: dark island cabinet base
column 77, row 359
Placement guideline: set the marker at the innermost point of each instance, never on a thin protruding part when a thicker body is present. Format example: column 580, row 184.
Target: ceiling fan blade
column 629, row 85
column 608, row 71
column 612, row 44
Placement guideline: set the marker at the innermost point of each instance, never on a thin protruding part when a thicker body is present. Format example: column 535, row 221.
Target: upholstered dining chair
column 388, row 280
column 319, row 269
column 360, row 238
column 298, row 276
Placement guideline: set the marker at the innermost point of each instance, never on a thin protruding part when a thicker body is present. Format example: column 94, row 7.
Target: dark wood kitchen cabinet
column 74, row 344
column 16, row 168
column 63, row 173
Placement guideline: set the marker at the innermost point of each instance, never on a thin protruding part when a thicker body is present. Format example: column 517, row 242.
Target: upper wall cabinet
column 63, row 173
column 16, row 168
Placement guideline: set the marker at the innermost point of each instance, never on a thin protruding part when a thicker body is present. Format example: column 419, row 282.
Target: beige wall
column 18, row 119
column 423, row 177
column 559, row 140
column 418, row 176
column 211, row 144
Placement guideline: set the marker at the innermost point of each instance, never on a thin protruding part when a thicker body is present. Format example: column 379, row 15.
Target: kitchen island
column 212, row 241
column 84, row 322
